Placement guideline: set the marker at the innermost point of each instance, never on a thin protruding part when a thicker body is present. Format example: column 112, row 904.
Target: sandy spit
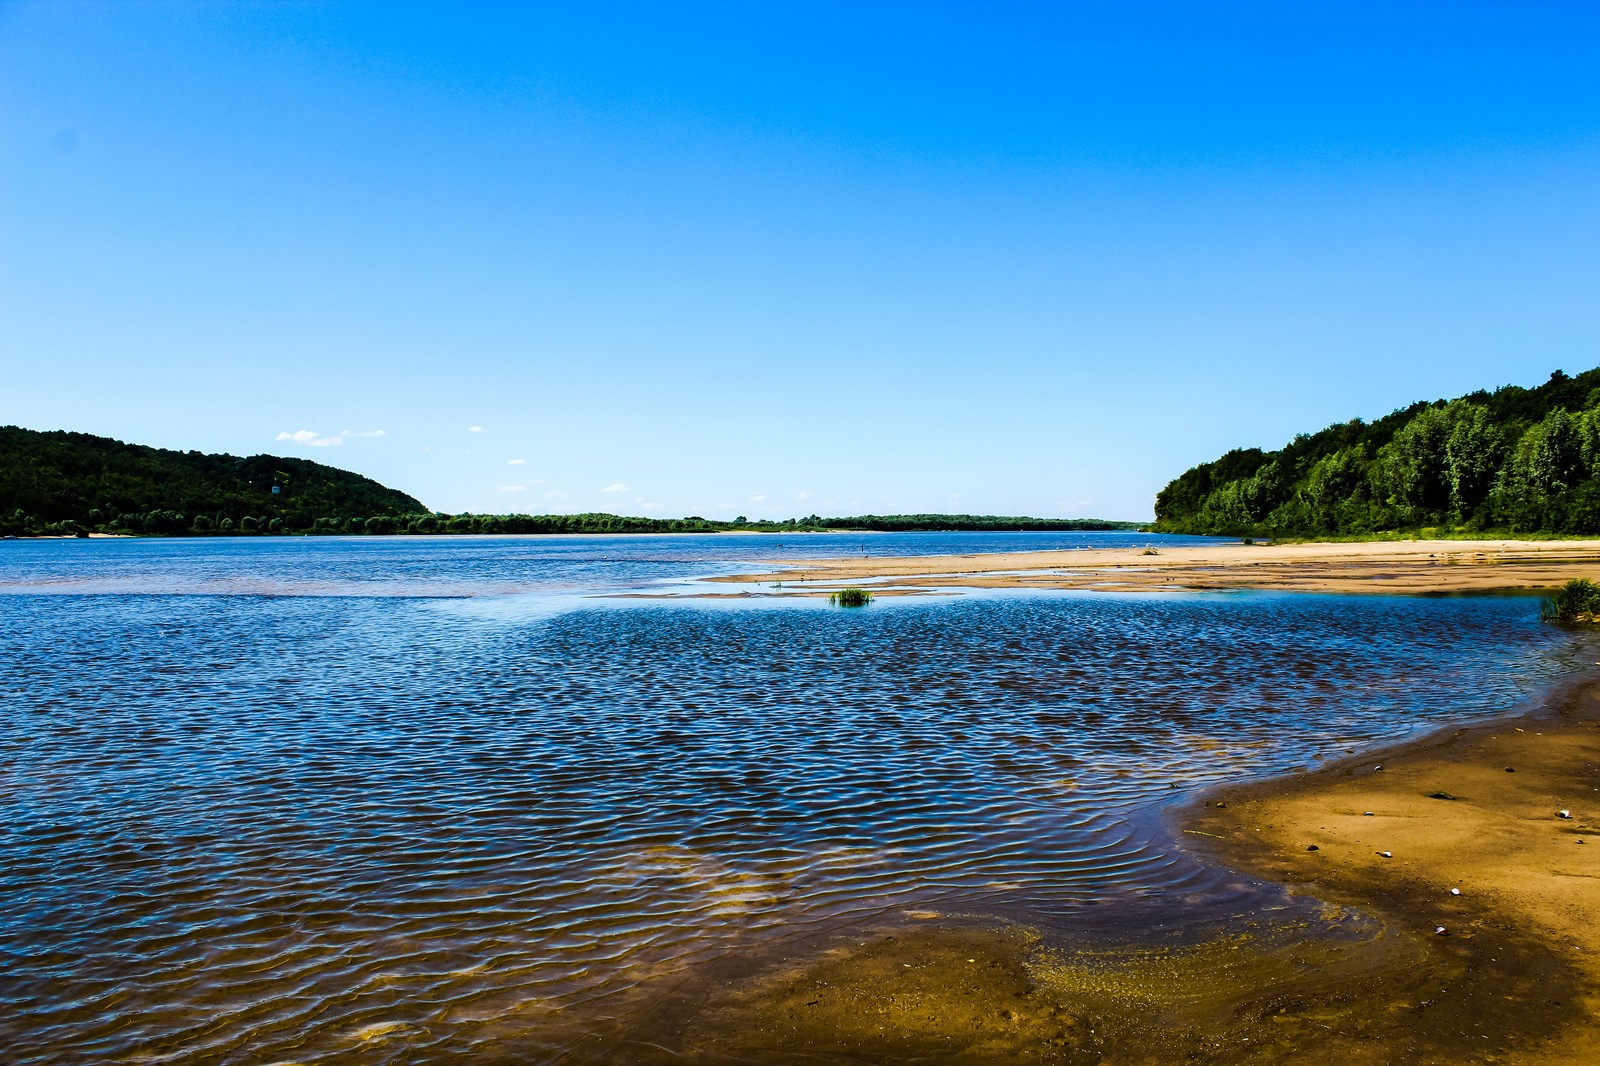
column 1421, row 566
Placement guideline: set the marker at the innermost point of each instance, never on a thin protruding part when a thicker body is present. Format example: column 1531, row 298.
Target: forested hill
column 1514, row 460
column 55, row 484
column 73, row 482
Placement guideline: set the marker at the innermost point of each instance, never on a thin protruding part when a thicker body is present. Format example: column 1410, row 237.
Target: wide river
column 418, row 800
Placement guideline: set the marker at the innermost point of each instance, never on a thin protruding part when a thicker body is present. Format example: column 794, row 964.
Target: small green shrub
column 1576, row 601
column 851, row 597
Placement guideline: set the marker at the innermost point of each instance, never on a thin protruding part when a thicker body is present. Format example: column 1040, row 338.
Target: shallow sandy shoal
column 1423, row 566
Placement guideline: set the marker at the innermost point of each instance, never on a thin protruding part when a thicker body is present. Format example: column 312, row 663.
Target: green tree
column 1474, row 452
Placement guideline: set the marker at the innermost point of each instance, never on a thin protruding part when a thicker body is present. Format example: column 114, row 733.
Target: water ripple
column 380, row 829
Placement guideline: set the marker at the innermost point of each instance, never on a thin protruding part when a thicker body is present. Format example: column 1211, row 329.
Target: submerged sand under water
column 1514, row 976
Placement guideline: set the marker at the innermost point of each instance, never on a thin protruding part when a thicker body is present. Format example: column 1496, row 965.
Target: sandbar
column 1406, row 567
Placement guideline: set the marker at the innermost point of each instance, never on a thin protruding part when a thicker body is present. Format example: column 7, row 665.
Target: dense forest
column 1515, row 460
column 64, row 483
column 67, row 484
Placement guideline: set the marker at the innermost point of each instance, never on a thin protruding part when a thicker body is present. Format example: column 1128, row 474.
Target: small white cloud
column 722, row 507
column 362, row 433
column 615, row 486
column 513, row 488
column 758, row 499
column 651, row 505
column 515, row 462
column 804, row 495
column 310, row 438
column 555, row 494
column 537, row 481
column 474, row 429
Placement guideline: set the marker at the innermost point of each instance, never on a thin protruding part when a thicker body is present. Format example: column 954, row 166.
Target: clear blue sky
column 770, row 259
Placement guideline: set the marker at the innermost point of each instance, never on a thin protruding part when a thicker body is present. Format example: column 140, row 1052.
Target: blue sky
column 774, row 259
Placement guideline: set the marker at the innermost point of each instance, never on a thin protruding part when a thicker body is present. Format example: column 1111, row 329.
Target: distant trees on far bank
column 169, row 523
column 67, row 484
column 1524, row 461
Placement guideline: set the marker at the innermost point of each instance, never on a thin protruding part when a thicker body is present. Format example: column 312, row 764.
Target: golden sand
column 1421, row 566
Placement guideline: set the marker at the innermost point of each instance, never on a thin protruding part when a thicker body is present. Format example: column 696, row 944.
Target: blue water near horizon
column 413, row 800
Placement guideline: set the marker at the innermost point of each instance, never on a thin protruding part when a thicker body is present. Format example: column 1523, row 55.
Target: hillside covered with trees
column 1514, row 460
column 62, row 484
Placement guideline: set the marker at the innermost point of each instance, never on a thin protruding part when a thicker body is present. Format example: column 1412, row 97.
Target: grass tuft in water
column 851, row 597
column 1576, row 601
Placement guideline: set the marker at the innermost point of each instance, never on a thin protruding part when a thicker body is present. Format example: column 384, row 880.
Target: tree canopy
column 57, row 482
column 71, row 483
column 1514, row 460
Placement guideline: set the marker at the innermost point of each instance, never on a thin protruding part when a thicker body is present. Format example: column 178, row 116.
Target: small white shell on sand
column 1455, row 892
column 1387, row 854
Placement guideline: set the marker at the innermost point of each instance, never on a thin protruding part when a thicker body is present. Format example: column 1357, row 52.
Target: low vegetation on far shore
column 73, row 484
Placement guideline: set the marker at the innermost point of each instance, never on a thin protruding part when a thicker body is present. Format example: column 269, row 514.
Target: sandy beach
column 1420, row 566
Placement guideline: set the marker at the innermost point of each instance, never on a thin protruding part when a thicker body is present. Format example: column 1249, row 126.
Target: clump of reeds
column 1576, row 601
column 850, row 597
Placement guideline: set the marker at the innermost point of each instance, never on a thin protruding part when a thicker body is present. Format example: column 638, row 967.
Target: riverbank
column 1423, row 566
column 1482, row 843
column 1397, row 967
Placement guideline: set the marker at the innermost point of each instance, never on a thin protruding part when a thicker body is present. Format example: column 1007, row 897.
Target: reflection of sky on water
column 461, row 814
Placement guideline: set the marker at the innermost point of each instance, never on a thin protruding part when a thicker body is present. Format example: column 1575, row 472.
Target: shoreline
column 1477, row 808
column 1383, row 567
column 1514, row 978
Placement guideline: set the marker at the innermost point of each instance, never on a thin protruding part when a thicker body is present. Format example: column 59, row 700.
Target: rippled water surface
column 410, row 800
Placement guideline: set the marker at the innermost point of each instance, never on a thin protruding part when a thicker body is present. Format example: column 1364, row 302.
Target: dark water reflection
column 382, row 828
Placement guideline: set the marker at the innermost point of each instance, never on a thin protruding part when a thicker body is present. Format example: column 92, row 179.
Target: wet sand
column 1514, row 977
column 1423, row 566
column 1477, row 810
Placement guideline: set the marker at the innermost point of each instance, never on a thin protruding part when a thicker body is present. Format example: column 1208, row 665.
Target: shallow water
column 412, row 800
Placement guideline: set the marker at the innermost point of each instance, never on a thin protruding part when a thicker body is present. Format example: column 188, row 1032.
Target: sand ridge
column 1420, row 566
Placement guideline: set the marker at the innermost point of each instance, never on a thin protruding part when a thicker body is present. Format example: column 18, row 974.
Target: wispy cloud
column 804, row 495
column 555, row 494
column 513, row 488
column 310, row 438
column 515, row 462
column 615, row 486
column 758, row 499
column 474, row 429
column 362, row 433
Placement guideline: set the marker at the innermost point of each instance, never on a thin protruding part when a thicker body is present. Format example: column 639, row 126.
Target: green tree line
column 63, row 484
column 1515, row 460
